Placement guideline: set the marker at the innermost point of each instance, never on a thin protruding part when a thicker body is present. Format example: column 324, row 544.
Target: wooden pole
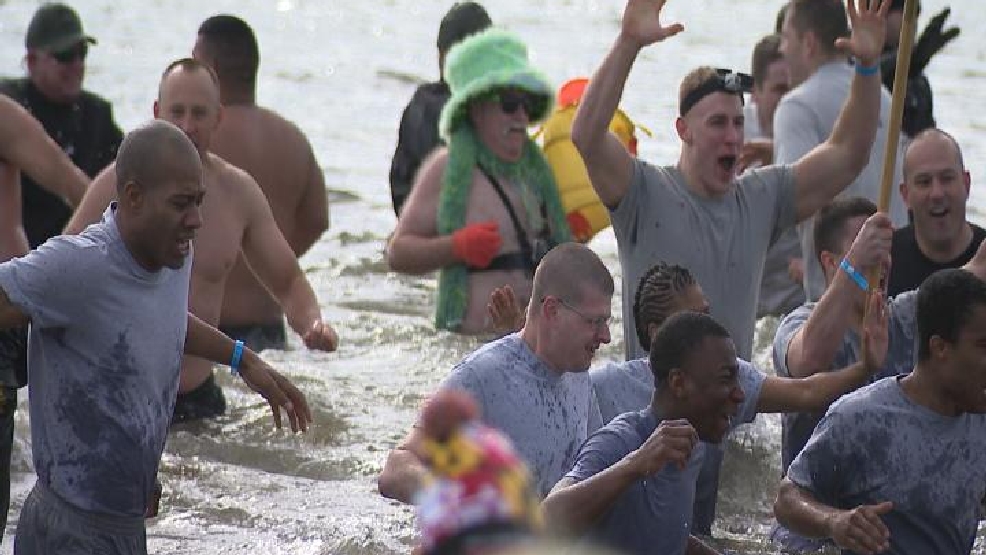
column 908, row 29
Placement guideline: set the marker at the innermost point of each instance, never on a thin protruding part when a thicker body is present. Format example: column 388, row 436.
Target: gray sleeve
column 47, row 283
column 822, row 466
column 463, row 377
column 624, row 217
column 782, row 339
column 602, row 450
column 750, row 381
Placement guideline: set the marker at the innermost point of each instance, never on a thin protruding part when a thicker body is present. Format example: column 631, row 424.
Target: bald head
column 189, row 66
column 567, row 271
column 155, row 153
column 937, row 139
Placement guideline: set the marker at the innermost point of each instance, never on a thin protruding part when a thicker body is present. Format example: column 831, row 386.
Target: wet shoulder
column 871, row 399
column 506, row 352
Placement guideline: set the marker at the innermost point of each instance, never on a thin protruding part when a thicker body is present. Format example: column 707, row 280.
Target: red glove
column 581, row 228
column 477, row 244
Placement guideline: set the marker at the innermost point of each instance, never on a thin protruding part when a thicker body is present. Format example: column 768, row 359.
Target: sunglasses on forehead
column 724, row 80
column 77, row 52
column 511, row 101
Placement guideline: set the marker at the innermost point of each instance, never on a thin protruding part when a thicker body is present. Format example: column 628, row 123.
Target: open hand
column 861, row 530
column 321, row 337
column 279, row 392
column 868, row 21
column 876, row 335
column 642, row 23
column 506, row 314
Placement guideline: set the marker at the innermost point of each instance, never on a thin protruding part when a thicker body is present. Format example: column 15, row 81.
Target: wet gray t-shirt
column 547, row 416
column 796, row 428
column 876, row 445
column 653, row 515
column 104, row 355
column 723, row 242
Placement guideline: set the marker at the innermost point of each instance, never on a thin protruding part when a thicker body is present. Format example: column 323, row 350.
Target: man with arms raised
column 822, row 79
column 277, row 155
column 900, row 465
column 699, row 213
column 105, row 352
column 533, row 384
column 936, row 190
column 235, row 216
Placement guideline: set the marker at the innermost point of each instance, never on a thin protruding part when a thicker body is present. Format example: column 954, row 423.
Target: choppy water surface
column 343, row 71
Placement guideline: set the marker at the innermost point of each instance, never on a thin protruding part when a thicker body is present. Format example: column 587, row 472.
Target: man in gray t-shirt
column 900, row 465
column 109, row 321
column 698, row 213
column 533, row 385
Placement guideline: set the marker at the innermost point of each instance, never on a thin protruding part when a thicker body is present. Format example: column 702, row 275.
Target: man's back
column 804, row 119
column 278, row 156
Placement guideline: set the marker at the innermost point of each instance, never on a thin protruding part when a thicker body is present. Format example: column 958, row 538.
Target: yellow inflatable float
column 586, row 214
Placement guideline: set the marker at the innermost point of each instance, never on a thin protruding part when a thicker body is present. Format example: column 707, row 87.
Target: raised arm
column 205, row 341
column 575, row 506
column 833, row 165
column 312, row 215
column 815, row 392
column 13, row 242
column 815, row 345
column 609, row 164
column 25, row 145
column 100, row 194
column 271, row 258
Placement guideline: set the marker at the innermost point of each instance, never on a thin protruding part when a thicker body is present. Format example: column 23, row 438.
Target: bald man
column 236, row 217
column 104, row 351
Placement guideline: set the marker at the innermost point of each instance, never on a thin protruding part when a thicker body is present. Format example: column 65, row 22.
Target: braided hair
column 656, row 293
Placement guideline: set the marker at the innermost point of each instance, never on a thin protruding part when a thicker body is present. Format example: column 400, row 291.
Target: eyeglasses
column 78, row 52
column 511, row 101
column 598, row 323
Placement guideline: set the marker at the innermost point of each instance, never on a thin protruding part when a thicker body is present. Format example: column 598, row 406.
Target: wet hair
column 567, row 271
column 656, row 292
column 927, row 133
column 946, row 301
column 695, row 79
column 830, row 222
column 149, row 153
column 188, row 64
column 825, row 18
column 231, row 46
column 766, row 52
column 781, row 15
column 678, row 338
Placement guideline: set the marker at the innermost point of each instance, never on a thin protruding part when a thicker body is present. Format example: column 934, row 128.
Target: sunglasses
column 511, row 101
column 70, row 55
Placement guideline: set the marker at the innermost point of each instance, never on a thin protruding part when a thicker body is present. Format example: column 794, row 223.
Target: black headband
column 724, row 80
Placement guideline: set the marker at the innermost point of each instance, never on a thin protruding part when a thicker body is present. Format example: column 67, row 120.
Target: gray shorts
column 49, row 525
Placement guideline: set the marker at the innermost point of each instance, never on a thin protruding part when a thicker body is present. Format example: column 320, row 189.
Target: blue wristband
column 867, row 71
column 234, row 363
column 856, row 276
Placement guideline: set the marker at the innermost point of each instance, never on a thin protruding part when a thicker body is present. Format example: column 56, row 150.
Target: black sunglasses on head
column 77, row 52
column 724, row 80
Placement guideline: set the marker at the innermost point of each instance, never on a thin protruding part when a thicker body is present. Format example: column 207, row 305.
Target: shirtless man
column 485, row 208
column 236, row 216
column 277, row 155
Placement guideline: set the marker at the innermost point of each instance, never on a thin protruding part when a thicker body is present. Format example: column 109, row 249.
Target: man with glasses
column 79, row 121
column 698, row 213
column 533, row 385
column 484, row 209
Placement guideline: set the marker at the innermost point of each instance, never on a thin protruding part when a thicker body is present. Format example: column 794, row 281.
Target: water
column 344, row 71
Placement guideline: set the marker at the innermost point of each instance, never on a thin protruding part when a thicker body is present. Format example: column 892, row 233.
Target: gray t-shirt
column 876, row 445
column 547, row 416
column 653, row 515
column 104, row 355
column 779, row 294
column 722, row 241
column 902, row 332
column 804, row 119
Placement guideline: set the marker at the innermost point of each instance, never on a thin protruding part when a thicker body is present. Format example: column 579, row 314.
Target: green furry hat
column 490, row 60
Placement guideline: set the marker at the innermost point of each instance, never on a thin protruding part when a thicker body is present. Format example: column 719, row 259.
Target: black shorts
column 205, row 401
column 259, row 337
